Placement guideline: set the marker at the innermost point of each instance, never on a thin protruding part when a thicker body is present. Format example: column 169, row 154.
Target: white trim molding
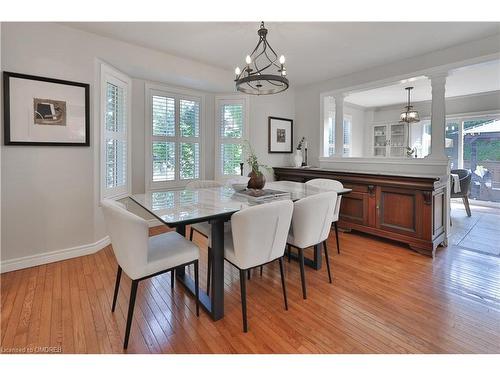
column 390, row 166
column 53, row 256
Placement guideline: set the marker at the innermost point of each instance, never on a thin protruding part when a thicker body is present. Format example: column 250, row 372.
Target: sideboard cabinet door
column 399, row 210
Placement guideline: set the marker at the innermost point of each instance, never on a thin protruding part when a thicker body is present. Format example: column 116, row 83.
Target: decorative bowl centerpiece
column 257, row 178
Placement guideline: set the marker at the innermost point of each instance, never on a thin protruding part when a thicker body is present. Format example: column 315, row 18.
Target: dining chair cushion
column 138, row 254
column 312, row 218
column 169, row 250
column 333, row 185
column 258, row 234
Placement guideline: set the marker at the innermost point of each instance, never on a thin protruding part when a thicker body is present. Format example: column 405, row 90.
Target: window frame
column 178, row 94
column 347, row 118
column 115, row 77
column 219, row 102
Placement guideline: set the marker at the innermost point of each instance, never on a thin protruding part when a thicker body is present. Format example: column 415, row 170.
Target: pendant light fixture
column 264, row 73
column 409, row 115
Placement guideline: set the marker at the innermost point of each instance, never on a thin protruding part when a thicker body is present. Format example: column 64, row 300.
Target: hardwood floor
column 384, row 299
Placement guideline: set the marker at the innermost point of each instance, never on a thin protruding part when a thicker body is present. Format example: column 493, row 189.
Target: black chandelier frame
column 254, row 79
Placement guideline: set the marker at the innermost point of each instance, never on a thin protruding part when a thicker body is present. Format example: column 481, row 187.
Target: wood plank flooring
column 384, row 299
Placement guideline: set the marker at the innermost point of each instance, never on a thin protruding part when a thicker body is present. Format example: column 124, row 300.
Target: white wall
column 50, row 194
column 261, row 107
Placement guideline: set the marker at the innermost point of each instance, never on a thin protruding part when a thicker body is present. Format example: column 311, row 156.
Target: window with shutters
column 232, row 129
column 174, row 138
column 329, row 136
column 115, row 133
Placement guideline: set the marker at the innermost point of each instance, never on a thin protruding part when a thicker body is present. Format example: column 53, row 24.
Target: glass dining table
column 179, row 208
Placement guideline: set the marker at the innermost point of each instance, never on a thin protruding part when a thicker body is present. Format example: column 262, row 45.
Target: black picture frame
column 6, row 108
column 270, row 148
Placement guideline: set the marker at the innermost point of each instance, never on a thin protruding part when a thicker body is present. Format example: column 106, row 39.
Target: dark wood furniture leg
column 117, row 287
column 466, row 204
column 327, row 262
column 337, row 236
column 283, row 285
column 243, row 289
column 131, row 304
column 302, row 273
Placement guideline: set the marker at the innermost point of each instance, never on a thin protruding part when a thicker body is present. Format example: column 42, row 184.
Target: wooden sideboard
column 406, row 209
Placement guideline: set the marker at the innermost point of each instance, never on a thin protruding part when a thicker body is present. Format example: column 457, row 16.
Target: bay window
column 232, row 130
column 115, row 133
column 174, row 123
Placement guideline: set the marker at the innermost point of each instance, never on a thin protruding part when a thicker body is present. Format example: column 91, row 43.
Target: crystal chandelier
column 409, row 115
column 263, row 73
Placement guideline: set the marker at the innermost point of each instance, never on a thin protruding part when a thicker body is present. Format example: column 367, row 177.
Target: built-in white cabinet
column 389, row 140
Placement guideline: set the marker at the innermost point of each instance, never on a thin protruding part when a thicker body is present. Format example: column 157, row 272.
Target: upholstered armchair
column 465, row 179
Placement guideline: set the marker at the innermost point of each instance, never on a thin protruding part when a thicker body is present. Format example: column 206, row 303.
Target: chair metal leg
column 117, row 287
column 197, row 287
column 249, row 272
column 172, row 279
column 243, row 299
column 302, row 273
column 289, row 253
column 283, row 286
column 337, row 236
column 131, row 304
column 261, row 268
column 209, row 269
column 327, row 262
column 190, row 233
column 466, row 204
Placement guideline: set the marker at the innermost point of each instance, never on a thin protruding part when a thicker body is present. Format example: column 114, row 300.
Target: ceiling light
column 264, row 73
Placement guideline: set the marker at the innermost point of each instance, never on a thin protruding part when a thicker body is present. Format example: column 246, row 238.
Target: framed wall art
column 280, row 135
column 43, row 111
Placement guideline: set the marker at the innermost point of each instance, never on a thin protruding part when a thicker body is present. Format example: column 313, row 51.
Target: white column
column 339, row 125
column 438, row 116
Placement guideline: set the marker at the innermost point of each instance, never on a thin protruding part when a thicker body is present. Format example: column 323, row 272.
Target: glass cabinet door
column 380, row 140
column 398, row 140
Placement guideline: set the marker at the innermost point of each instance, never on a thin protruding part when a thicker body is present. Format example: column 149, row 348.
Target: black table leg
column 180, row 271
column 317, row 257
column 314, row 263
column 217, row 287
column 213, row 304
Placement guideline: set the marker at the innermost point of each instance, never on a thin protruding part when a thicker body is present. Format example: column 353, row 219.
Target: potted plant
column 257, row 178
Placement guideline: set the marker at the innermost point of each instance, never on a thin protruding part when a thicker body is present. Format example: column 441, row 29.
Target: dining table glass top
column 175, row 207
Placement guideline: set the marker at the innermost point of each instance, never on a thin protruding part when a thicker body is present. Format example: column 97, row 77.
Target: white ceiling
column 468, row 80
column 315, row 51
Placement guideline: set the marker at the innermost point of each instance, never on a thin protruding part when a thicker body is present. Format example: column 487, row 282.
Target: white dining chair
column 258, row 236
column 141, row 256
column 334, row 185
column 204, row 228
column 311, row 222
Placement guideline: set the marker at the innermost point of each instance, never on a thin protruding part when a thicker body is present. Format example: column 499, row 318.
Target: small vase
column 297, row 158
column 257, row 180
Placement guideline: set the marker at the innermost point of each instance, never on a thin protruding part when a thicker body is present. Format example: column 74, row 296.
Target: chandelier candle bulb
column 282, row 59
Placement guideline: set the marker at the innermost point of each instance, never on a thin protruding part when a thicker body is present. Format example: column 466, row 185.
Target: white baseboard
column 53, row 256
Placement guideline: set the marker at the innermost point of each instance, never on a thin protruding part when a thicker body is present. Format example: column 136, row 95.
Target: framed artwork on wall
column 280, row 135
column 42, row 111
